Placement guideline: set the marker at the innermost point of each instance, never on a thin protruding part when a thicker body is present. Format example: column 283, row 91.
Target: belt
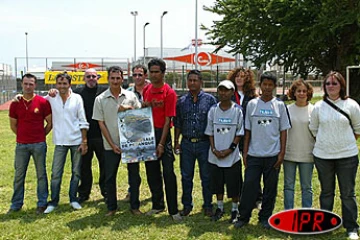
column 195, row 140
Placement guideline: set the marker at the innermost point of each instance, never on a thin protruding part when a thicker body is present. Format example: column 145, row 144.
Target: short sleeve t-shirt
column 163, row 103
column 30, row 117
column 224, row 126
column 266, row 120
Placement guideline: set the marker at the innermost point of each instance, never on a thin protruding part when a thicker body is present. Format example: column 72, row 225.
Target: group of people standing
column 259, row 130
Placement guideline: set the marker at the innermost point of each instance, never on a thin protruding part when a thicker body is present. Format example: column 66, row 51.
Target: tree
column 301, row 35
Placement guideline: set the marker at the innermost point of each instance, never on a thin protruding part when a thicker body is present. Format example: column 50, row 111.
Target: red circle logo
column 203, row 59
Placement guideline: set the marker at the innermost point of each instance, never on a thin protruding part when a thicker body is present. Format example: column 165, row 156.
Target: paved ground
column 5, row 106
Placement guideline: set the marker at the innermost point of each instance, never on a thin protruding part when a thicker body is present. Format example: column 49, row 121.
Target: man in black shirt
column 95, row 143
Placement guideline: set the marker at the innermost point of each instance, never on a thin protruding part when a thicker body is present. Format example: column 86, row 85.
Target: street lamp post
column 26, row 49
column 144, row 41
column 134, row 13
column 161, row 33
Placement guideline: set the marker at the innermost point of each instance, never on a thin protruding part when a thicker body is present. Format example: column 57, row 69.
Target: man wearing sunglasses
column 89, row 92
column 139, row 77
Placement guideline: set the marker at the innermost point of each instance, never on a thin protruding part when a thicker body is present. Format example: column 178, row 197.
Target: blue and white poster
column 137, row 135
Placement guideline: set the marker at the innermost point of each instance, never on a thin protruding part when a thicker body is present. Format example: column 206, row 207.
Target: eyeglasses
column 331, row 83
column 91, row 76
column 137, row 75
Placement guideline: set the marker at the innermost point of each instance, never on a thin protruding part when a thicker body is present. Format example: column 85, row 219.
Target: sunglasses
column 91, row 76
column 331, row 83
column 137, row 75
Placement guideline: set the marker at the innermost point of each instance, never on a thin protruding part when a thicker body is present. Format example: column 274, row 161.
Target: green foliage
column 173, row 77
column 301, row 35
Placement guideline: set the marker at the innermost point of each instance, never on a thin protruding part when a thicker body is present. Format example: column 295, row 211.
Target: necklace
column 27, row 101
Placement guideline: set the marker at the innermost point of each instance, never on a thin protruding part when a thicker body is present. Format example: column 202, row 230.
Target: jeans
column 189, row 153
column 305, row 171
column 154, row 177
column 22, row 158
column 94, row 145
column 345, row 170
column 60, row 153
column 256, row 167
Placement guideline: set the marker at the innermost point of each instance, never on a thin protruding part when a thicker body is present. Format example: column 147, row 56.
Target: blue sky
column 96, row 28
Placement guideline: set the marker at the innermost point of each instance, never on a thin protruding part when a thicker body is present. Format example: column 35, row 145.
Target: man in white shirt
column 69, row 133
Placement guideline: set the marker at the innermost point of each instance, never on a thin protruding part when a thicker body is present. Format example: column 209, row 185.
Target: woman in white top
column 335, row 151
column 299, row 145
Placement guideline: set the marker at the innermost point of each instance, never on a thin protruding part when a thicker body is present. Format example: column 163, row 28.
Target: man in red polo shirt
column 162, row 99
column 27, row 122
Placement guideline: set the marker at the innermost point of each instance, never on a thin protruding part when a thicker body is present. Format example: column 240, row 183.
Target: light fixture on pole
column 161, row 33
column 144, row 41
column 26, row 48
column 134, row 13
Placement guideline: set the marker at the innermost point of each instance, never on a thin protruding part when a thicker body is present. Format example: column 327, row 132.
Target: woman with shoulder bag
column 335, row 122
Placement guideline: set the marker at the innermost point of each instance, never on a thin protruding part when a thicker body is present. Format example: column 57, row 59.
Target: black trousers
column 256, row 167
column 94, row 146
column 111, row 168
column 155, row 177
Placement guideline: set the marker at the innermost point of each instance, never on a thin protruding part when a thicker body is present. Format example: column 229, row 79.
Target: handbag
column 339, row 110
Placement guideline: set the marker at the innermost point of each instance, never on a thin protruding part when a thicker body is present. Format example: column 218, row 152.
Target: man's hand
column 145, row 104
column 245, row 160
column 17, row 97
column 177, row 148
column 123, row 108
column 52, row 92
column 160, row 149
column 83, row 148
column 280, row 160
column 223, row 153
column 116, row 149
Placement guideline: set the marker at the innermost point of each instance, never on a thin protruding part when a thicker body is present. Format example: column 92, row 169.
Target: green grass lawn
column 90, row 223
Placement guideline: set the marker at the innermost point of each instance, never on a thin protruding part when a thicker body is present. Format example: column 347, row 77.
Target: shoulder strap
column 338, row 110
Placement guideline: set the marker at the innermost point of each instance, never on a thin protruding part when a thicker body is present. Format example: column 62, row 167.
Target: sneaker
column 177, row 217
column 265, row 224
column 49, row 209
column 218, row 214
column 75, row 205
column 234, row 215
column 40, row 210
column 353, row 234
column 240, row 223
column 185, row 212
column 154, row 211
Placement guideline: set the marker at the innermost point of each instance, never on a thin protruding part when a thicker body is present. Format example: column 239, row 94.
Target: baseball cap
column 227, row 84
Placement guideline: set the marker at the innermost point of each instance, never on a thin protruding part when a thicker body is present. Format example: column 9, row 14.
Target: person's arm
column 48, row 126
column 177, row 124
column 160, row 148
column 176, row 140
column 83, row 146
column 106, row 134
column 283, row 136
column 246, row 146
column 13, row 125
